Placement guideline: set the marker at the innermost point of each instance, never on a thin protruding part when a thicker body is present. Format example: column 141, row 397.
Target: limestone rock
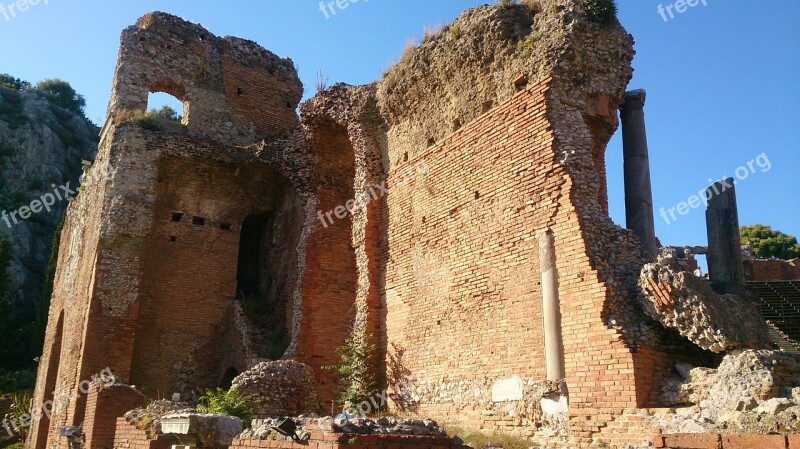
column 760, row 381
column 45, row 149
column 683, row 302
column 149, row 418
column 210, row 430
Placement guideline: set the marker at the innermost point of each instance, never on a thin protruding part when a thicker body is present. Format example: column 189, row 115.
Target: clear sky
column 723, row 79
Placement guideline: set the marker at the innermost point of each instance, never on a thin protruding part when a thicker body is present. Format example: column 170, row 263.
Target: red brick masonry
column 730, row 441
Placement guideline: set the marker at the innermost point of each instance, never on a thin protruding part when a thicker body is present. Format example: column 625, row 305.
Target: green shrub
column 62, row 94
column 16, row 381
column 227, row 403
column 20, row 412
column 11, row 109
column 156, row 119
column 36, row 184
column 10, row 82
column 603, row 12
column 356, row 370
column 15, row 327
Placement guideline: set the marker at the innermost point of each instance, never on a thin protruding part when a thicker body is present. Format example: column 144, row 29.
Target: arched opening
column 167, row 107
column 50, row 384
column 256, row 272
column 253, row 243
column 227, row 378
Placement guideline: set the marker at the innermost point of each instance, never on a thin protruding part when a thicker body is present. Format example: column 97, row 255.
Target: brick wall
column 330, row 279
column 190, row 272
column 462, row 280
column 248, row 89
column 103, row 408
column 462, row 277
column 771, row 270
column 129, row 437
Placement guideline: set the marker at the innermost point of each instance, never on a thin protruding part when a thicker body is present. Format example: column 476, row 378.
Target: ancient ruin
column 456, row 210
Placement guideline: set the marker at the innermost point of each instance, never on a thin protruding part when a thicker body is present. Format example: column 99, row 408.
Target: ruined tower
column 411, row 208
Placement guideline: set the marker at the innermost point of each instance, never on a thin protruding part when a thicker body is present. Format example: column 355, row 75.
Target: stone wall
column 223, row 83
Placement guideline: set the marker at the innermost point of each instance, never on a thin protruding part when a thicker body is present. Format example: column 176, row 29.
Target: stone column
column 724, row 246
column 638, row 193
column 551, row 312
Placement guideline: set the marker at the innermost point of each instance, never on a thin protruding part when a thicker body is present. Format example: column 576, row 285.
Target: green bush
column 10, row 82
column 16, row 381
column 20, row 412
column 15, row 327
column 62, row 94
column 11, row 109
column 227, row 403
column 356, row 370
column 603, row 12
column 155, row 119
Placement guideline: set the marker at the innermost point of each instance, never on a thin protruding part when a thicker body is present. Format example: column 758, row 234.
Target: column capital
column 634, row 100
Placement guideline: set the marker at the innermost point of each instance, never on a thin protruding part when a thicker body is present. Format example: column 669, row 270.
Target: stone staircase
column 780, row 305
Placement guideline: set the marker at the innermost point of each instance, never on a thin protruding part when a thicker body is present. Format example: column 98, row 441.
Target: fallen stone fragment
column 683, row 302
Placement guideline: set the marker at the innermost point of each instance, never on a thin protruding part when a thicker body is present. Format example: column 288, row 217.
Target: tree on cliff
column 10, row 82
column 768, row 243
column 62, row 94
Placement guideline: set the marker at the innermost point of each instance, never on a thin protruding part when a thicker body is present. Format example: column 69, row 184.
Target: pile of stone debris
column 262, row 428
column 750, row 392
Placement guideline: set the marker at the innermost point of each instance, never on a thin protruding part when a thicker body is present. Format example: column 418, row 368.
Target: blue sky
column 723, row 79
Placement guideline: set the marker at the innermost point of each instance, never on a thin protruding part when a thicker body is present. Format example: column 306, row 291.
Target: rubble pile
column 279, row 388
column 262, row 428
column 750, row 392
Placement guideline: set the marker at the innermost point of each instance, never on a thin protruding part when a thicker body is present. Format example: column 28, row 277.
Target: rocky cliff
column 42, row 146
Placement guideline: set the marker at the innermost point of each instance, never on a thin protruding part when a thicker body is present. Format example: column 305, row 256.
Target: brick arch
column 50, row 383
